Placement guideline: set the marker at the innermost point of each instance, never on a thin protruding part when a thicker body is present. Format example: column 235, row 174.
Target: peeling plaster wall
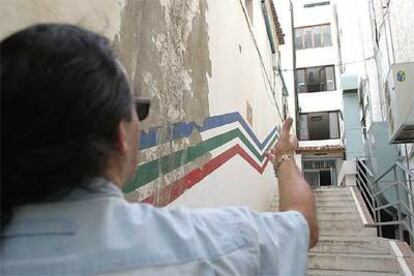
column 102, row 16
column 164, row 48
column 196, row 59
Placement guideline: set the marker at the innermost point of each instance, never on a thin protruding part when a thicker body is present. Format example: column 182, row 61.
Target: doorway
column 320, row 172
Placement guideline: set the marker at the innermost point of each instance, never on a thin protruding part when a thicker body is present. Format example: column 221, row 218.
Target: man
column 69, row 142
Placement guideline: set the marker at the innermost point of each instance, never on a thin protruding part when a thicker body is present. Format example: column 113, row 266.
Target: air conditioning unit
column 399, row 98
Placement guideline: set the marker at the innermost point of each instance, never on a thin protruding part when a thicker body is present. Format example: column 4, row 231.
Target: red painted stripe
column 177, row 188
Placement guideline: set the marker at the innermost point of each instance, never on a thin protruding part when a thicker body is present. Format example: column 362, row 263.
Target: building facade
column 378, row 43
column 394, row 53
column 211, row 70
column 317, row 71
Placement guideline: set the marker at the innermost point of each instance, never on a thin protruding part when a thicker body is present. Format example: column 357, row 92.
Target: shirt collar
column 95, row 187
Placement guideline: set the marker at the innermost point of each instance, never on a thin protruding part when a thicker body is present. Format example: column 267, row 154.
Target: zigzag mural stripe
column 182, row 129
column 152, row 170
column 177, row 188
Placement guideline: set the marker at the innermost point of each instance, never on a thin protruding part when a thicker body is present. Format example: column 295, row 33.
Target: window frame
column 322, row 36
column 339, row 114
column 304, row 69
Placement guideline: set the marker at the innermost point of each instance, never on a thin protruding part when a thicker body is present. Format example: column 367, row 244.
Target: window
column 313, row 37
column 311, row 5
column 317, row 36
column 299, row 39
column 326, row 35
column 319, row 172
column 319, row 126
column 319, row 178
column 315, row 79
column 307, row 38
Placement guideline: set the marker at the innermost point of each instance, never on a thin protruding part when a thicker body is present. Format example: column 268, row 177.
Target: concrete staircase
column 347, row 246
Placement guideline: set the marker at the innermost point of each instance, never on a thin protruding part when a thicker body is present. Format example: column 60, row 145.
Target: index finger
column 286, row 128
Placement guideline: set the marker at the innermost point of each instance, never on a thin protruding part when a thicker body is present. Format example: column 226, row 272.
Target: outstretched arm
column 294, row 192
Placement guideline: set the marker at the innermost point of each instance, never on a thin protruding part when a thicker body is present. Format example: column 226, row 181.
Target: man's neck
column 115, row 176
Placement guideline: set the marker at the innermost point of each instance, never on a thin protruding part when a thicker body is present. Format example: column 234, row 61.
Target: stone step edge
column 349, row 272
column 354, row 255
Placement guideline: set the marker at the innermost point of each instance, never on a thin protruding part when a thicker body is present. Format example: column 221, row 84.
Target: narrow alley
column 223, row 75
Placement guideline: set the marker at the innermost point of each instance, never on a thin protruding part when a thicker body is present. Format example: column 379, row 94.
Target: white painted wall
column 311, row 16
column 358, row 52
column 348, row 168
column 230, row 186
column 317, row 57
column 401, row 24
column 320, row 101
column 238, row 77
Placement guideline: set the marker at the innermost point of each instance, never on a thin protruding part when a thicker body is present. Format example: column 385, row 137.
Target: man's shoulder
column 109, row 234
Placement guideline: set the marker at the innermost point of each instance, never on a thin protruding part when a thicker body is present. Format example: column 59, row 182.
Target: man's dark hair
column 63, row 95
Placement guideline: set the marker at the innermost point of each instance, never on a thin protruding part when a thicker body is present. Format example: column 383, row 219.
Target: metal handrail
column 369, row 203
column 390, row 223
column 368, row 193
column 364, row 175
column 407, row 171
column 360, row 163
column 407, row 209
column 409, row 229
column 363, row 185
column 404, row 212
column 385, row 173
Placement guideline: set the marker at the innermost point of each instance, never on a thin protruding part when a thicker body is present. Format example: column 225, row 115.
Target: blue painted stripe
column 148, row 139
column 183, row 129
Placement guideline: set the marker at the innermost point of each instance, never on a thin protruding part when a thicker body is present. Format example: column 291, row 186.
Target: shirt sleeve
column 282, row 239
column 284, row 243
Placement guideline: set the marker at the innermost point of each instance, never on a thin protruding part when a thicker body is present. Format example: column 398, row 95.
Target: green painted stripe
column 152, row 170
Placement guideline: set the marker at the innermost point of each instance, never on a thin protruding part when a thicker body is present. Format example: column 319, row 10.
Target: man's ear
column 122, row 141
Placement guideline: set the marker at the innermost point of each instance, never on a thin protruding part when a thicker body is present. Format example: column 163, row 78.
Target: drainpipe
column 295, row 92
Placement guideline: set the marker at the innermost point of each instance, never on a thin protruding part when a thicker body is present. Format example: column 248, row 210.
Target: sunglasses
column 142, row 107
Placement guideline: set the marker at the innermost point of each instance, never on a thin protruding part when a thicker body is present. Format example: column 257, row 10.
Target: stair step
column 334, row 203
column 336, row 209
column 350, row 231
column 327, row 201
column 344, row 223
column 343, row 193
column 353, row 262
column 352, row 245
column 331, row 190
column 338, row 216
column 335, row 194
column 316, row 272
column 335, row 199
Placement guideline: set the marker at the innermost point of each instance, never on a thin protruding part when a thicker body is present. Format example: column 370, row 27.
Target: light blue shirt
column 101, row 233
